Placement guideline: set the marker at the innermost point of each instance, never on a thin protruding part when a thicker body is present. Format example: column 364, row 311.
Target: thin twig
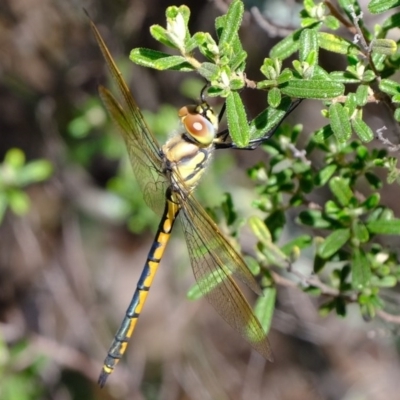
column 394, row 319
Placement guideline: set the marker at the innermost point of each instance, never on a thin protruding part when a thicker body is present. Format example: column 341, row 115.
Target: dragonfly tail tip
column 102, row 379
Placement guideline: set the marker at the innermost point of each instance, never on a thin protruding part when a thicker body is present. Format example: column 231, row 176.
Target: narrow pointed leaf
column 336, row 44
column 363, row 131
column 360, row 269
column 389, row 86
column 341, row 189
column 264, row 308
column 360, row 232
column 340, row 122
column 274, row 97
column 332, row 243
column 286, row 47
column 159, row 60
column 325, row 174
column 308, row 44
column 312, row 89
column 379, row 6
column 265, row 122
column 233, row 20
column 387, row 47
column 160, row 34
column 389, row 227
column 237, row 120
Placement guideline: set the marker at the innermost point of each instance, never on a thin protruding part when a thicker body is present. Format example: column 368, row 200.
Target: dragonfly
column 167, row 176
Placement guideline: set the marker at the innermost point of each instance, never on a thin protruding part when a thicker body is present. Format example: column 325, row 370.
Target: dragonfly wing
column 146, row 165
column 143, row 148
column 213, row 261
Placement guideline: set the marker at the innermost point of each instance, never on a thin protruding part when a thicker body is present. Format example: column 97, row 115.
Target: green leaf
column 269, row 250
column 19, row 201
column 308, row 44
column 160, row 34
column 326, row 308
column 386, row 281
column 271, row 68
column 341, row 190
column 389, row 86
column 387, row 47
column 264, row 308
column 379, row 60
column 360, row 270
column 207, row 45
column 340, row 122
column 159, row 60
column 233, row 20
column 336, row 44
column 363, row 131
column 264, row 123
column 300, row 242
column 323, row 134
column 229, row 209
column 312, row 89
column 287, row 46
column 209, row 71
column 177, row 25
column 237, row 120
column 343, row 77
column 372, row 201
column 325, row 174
column 15, row 158
column 373, row 180
column 362, row 95
column 392, row 22
column 334, row 242
column 360, row 232
column 351, row 104
column 36, row 171
column 285, row 75
column 379, row 6
column 313, row 218
column 253, row 265
column 388, row 227
column 260, row 230
column 3, row 205
column 274, row 97
column 332, row 23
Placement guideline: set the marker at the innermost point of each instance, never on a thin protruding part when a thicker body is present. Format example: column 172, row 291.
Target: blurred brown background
column 68, row 268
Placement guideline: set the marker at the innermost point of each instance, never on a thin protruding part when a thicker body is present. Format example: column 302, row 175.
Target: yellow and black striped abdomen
column 120, row 341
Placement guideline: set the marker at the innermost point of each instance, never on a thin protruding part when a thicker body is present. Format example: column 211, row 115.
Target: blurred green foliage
column 15, row 175
column 19, row 376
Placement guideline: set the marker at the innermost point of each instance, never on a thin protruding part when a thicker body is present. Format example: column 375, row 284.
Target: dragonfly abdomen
column 120, row 341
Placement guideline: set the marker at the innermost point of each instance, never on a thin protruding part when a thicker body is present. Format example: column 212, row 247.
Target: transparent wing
column 143, row 148
column 213, row 260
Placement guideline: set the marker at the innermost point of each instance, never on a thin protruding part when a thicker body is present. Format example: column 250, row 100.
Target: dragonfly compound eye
column 197, row 125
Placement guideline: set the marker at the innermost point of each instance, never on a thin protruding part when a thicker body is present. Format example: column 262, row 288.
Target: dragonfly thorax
column 186, row 155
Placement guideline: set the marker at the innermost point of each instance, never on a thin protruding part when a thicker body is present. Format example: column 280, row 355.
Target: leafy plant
column 20, row 376
column 15, row 175
column 350, row 263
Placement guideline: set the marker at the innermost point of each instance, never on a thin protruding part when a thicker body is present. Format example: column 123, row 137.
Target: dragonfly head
column 200, row 122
